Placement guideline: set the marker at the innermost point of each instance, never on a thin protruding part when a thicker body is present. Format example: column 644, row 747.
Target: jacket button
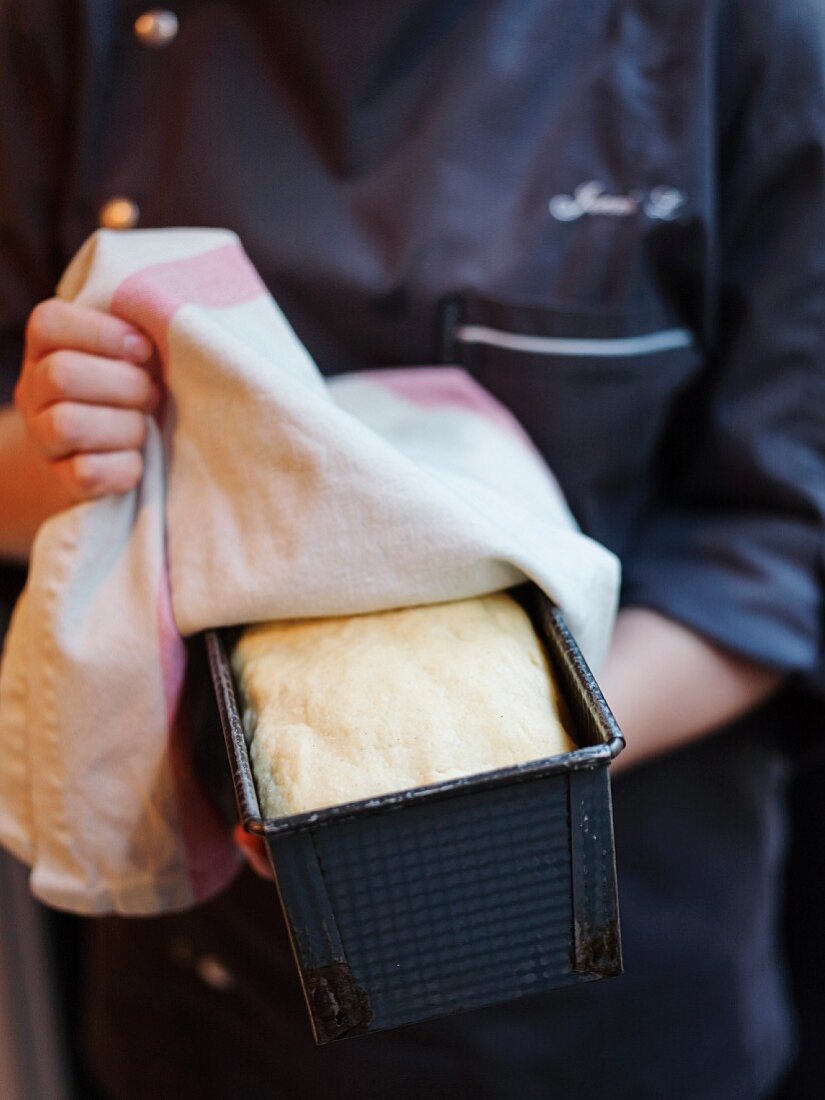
column 156, row 28
column 119, row 213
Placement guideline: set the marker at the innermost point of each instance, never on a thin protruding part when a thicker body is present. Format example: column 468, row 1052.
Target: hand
column 254, row 849
column 84, row 394
column 668, row 686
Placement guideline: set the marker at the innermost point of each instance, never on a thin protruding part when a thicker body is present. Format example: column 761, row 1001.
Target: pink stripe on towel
column 216, row 279
column 448, row 387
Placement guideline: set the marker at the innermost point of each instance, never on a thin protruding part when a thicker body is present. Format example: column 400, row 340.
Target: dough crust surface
column 342, row 709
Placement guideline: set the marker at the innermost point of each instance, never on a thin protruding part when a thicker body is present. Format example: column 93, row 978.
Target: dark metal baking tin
column 453, row 896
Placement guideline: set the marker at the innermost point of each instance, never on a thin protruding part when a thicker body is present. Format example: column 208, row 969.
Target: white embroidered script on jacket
column 664, row 203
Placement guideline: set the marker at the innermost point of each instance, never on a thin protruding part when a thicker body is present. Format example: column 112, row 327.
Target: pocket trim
column 616, row 347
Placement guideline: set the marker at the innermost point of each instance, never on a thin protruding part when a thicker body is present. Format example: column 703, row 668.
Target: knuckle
column 86, row 474
column 56, row 374
column 41, row 320
column 63, row 424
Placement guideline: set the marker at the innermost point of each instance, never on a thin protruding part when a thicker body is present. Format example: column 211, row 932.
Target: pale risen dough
column 348, row 708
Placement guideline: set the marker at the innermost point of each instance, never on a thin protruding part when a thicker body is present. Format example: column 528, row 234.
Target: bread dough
column 342, row 709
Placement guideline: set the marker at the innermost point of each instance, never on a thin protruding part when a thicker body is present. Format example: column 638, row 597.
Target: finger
column 78, row 376
column 255, row 850
column 55, row 324
column 88, row 476
column 69, row 427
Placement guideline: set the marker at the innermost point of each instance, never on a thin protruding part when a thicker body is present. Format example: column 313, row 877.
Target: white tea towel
column 267, row 494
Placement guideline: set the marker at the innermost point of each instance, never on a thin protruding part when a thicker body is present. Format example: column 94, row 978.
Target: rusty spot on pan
column 598, row 951
column 339, row 1005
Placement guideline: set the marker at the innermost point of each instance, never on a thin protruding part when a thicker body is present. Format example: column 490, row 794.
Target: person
column 612, row 215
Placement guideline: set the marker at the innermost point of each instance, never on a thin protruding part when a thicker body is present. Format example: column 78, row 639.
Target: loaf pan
column 453, row 896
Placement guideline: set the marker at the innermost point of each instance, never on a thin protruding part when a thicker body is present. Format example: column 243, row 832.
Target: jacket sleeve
column 34, row 134
column 734, row 546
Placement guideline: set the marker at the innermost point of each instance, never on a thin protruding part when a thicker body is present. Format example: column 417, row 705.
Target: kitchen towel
column 268, row 493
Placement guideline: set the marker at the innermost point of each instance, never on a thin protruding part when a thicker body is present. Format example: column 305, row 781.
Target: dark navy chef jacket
column 613, row 214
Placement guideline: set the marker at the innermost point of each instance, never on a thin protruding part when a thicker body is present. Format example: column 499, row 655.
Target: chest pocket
column 596, row 392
